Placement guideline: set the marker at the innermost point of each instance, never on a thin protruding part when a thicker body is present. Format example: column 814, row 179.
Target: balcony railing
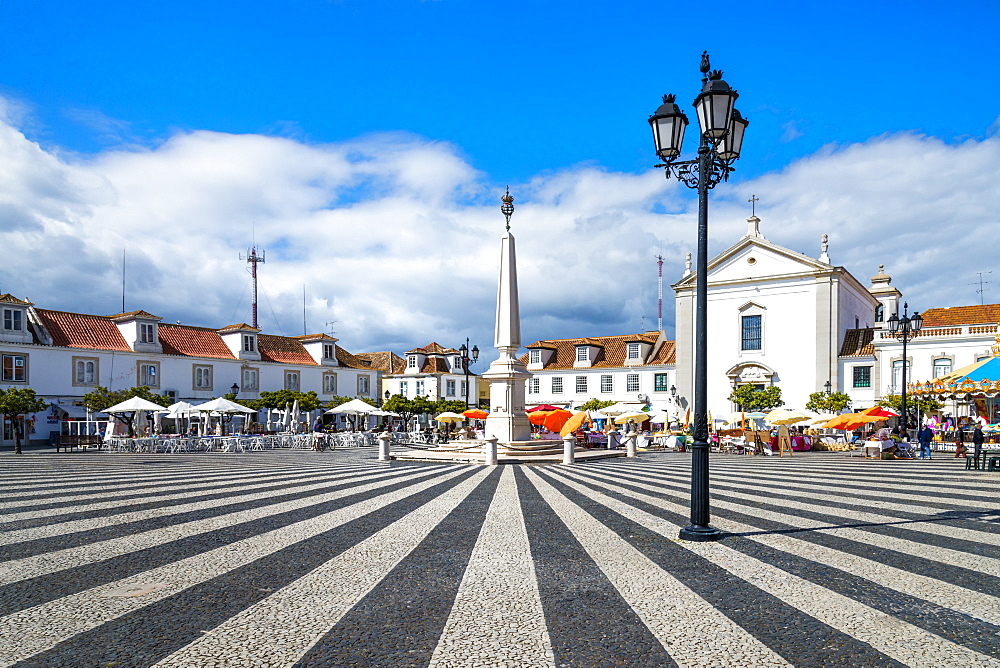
column 964, row 330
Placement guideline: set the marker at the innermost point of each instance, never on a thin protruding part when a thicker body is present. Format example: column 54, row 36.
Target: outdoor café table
column 873, row 449
column 984, row 458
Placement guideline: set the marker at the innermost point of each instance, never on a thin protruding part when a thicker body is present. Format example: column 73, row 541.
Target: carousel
column 976, row 385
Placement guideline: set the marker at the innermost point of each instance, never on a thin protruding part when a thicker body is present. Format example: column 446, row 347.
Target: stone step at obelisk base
column 516, row 452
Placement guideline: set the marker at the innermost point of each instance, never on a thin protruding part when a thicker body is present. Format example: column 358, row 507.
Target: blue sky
column 546, row 96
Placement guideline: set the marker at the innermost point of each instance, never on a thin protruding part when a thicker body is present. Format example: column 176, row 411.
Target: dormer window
column 249, row 343
column 411, row 361
column 147, row 332
column 328, row 351
column 582, row 354
column 13, row 320
column 535, row 356
column 457, row 364
column 633, row 351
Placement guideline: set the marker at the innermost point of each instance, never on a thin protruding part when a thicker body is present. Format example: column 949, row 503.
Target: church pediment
column 755, row 258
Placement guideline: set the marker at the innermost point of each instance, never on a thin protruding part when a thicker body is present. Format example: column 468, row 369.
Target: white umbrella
column 222, row 405
column 132, row 405
column 598, row 415
column 619, row 409
column 354, row 407
column 659, row 418
column 295, row 416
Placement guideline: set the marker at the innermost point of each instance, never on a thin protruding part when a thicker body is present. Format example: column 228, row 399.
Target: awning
column 71, row 411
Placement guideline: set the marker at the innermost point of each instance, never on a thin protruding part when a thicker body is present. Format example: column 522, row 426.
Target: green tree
column 749, row 398
column 452, row 405
column 595, row 404
column 821, row 402
column 308, row 401
column 408, row 408
column 922, row 404
column 17, row 402
column 101, row 397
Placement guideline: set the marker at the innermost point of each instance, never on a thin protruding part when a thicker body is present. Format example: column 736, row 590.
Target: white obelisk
column 507, row 420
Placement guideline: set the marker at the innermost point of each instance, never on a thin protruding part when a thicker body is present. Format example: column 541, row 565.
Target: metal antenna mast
column 659, row 305
column 253, row 259
column 981, row 282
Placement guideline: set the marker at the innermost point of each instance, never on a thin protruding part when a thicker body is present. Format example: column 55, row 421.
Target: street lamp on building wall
column 235, row 390
column 829, row 386
column 720, row 141
column 904, row 329
column 465, row 365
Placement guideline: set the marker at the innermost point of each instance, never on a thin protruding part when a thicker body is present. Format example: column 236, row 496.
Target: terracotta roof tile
column 240, row 326
column 193, row 342
column 383, row 361
column 435, row 365
column 432, row 348
column 282, row 349
column 858, row 342
column 987, row 314
column 352, row 361
column 314, row 337
column 8, row 298
column 612, row 353
column 131, row 315
column 667, row 354
column 78, row 330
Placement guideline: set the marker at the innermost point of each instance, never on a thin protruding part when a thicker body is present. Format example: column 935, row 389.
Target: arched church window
column 880, row 313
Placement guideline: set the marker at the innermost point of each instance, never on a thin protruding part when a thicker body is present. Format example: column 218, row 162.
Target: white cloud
column 395, row 237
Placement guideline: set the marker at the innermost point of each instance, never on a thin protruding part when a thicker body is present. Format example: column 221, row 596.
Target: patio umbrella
column 132, row 405
column 476, row 414
column 537, row 418
column 851, row 421
column 881, row 411
column 619, row 409
column 555, row 420
column 541, row 407
column 787, row 417
column 573, row 423
column 598, row 415
column 659, row 418
column 295, row 416
column 448, row 416
column 632, row 416
column 354, row 407
column 822, row 417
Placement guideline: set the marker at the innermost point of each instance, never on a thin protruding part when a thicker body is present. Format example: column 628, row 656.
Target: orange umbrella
column 881, row 411
column 851, row 421
column 538, row 417
column 555, row 420
column 573, row 423
column 475, row 414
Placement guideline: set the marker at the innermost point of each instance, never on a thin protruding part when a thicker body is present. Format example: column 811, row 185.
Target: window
column 534, row 385
column 897, row 375
column 557, row 385
column 147, row 332
column 203, row 378
column 149, row 374
column 582, row 354
column 632, row 382
column 404, row 387
column 464, row 388
column 607, row 384
column 411, row 361
column 633, row 351
column 456, row 363
column 751, row 332
column 942, row 367
column 880, row 313
column 862, row 376
column 292, row 381
column 329, row 383
column 15, row 368
column 364, row 385
column 581, row 384
column 249, row 345
column 12, row 320
column 85, row 371
column 449, row 388
column 250, row 379
column 420, row 388
column 329, row 351
column 535, row 356
column 660, row 383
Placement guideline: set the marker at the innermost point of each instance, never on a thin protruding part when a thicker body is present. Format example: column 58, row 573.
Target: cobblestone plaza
column 297, row 558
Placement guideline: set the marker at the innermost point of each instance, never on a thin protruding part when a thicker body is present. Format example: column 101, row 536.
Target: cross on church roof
column 753, row 204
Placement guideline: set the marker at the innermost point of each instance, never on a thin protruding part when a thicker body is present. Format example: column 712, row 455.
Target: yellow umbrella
column 787, row 417
column 632, row 416
column 449, row 417
column 573, row 423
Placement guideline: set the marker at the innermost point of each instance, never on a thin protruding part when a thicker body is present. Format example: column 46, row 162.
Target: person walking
column 977, row 443
column 924, row 437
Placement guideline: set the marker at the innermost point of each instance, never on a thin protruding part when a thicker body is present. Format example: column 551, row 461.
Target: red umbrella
column 475, row 414
column 880, row 411
column 555, row 420
column 538, row 417
column 541, row 407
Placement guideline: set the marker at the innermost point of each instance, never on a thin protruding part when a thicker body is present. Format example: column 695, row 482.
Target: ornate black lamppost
column 721, row 139
column 905, row 329
column 465, row 365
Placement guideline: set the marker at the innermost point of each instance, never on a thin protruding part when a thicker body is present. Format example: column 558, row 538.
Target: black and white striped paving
column 335, row 559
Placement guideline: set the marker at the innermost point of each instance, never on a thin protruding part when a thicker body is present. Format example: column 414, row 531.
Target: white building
column 63, row 356
column 633, row 368
column 434, row 372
